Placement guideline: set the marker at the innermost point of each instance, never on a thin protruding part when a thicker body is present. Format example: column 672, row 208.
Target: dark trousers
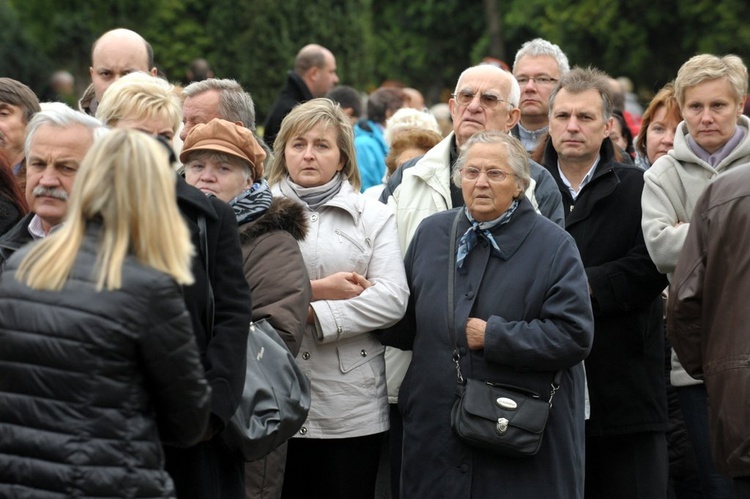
column 627, row 466
column 741, row 487
column 694, row 405
column 396, row 443
column 264, row 477
column 208, row 470
column 335, row 468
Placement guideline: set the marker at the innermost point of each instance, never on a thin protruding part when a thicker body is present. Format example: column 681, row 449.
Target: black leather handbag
column 275, row 400
column 504, row 419
column 276, row 396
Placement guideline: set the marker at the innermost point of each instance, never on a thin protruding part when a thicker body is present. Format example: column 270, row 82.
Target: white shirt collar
column 586, row 178
column 37, row 230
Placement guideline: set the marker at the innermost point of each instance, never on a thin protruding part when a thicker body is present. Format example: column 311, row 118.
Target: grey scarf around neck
column 313, row 197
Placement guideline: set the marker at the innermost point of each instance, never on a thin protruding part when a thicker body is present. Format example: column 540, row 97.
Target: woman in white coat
column 356, row 271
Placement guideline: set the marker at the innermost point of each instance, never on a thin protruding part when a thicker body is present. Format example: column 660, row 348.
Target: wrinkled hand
column 475, row 333
column 339, row 286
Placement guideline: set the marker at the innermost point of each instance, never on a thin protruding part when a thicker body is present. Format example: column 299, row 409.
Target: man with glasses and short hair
column 486, row 98
column 538, row 67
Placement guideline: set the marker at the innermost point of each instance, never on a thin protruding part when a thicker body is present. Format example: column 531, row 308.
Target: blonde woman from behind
column 99, row 362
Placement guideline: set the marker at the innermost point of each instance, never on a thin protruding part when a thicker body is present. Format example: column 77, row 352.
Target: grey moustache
column 52, row 192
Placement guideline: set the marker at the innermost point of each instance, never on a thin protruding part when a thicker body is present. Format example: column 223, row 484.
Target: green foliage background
column 424, row 44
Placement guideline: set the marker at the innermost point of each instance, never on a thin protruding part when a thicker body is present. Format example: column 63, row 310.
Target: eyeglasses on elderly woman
column 493, row 175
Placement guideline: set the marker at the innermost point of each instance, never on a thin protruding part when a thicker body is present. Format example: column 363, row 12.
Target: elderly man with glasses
column 538, row 67
column 486, row 98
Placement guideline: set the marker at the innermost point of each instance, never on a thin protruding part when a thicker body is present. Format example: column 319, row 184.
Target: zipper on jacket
column 349, row 238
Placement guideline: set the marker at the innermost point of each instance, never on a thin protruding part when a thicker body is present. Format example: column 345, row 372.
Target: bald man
column 313, row 76
column 115, row 54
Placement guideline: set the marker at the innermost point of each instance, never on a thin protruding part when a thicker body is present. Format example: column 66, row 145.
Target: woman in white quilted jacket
column 356, row 270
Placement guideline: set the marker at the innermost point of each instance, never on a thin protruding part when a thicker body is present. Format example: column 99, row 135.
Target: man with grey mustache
column 57, row 139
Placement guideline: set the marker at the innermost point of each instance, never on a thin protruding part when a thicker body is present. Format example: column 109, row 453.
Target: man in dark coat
column 209, row 469
column 313, row 76
column 626, row 450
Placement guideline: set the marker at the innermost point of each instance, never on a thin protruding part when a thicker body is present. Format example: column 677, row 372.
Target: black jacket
column 224, row 359
column 91, row 380
column 625, row 369
column 295, row 92
column 202, row 471
column 17, row 236
column 9, row 215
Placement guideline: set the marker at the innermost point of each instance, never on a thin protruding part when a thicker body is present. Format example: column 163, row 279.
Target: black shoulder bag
column 276, row 397
column 501, row 418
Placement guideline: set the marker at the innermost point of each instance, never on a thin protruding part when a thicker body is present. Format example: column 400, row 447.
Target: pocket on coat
column 353, row 354
column 357, row 249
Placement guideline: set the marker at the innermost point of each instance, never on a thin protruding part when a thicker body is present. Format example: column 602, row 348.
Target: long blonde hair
column 124, row 182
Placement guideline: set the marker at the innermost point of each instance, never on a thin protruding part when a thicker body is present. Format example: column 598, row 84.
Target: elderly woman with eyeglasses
column 521, row 314
column 714, row 137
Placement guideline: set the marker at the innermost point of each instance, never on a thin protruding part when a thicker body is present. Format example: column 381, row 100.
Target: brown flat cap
column 225, row 136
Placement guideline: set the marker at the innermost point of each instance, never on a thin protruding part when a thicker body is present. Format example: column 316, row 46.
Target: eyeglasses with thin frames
column 487, row 101
column 493, row 175
column 539, row 80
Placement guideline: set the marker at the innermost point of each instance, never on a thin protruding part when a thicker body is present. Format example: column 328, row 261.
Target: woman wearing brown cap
column 225, row 160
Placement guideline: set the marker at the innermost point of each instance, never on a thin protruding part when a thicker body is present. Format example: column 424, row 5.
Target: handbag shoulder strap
column 203, row 237
column 452, row 271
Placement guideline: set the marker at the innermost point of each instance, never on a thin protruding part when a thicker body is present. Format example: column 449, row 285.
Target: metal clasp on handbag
column 502, row 426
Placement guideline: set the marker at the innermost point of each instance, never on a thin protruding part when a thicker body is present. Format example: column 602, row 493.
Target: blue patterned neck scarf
column 251, row 203
column 469, row 240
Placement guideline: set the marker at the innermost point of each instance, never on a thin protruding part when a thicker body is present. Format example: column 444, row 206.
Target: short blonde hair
column 125, row 182
column 705, row 67
column 302, row 119
column 140, row 96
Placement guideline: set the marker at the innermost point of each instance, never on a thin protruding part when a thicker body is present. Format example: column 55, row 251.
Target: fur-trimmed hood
column 283, row 214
